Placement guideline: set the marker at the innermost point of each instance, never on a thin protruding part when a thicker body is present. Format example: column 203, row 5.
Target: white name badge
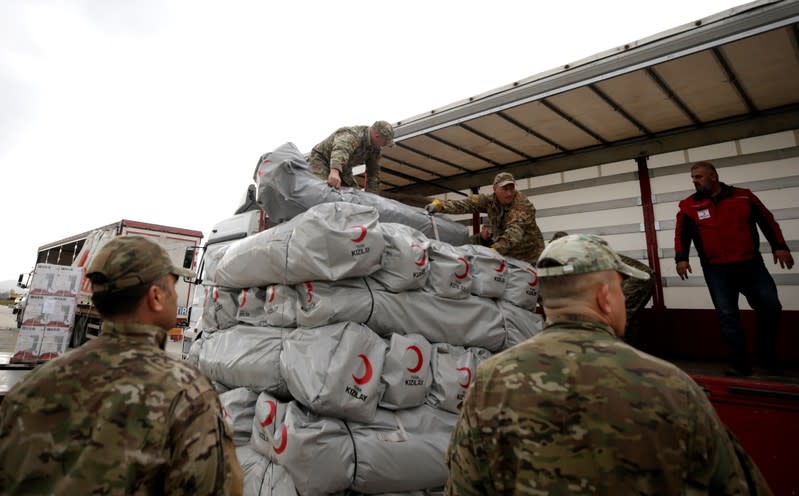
column 704, row 214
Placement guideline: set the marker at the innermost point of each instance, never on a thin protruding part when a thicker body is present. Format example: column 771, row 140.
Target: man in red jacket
column 722, row 222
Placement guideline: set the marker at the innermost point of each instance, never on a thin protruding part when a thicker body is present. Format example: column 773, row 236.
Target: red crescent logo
column 284, row 439
column 360, row 237
column 418, row 352
column 272, row 295
column 534, row 280
column 465, row 268
column 367, row 375
column 216, row 294
column 422, row 260
column 309, row 290
column 271, row 417
column 468, row 376
column 501, row 267
column 243, row 298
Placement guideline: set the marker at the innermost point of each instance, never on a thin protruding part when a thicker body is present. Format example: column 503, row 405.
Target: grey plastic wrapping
column 239, row 409
column 317, row 451
column 269, row 413
column 220, row 309
column 286, row 188
column 322, row 303
column 450, row 271
column 251, row 309
column 521, row 324
column 281, row 306
column 262, row 477
column 489, row 271
column 245, row 356
column 522, row 287
column 335, row 370
column 454, row 368
column 406, row 372
column 403, row 450
column 328, row 242
column 405, row 262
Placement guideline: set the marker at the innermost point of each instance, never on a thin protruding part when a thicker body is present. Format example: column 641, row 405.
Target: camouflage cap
column 580, row 254
column 504, row 178
column 385, row 130
column 129, row 261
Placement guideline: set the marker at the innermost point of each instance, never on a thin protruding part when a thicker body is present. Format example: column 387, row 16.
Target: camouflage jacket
column 116, row 416
column 574, row 410
column 513, row 228
column 343, row 150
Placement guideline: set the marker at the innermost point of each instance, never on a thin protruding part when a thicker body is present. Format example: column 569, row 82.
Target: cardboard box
column 54, row 343
column 29, row 341
column 56, row 280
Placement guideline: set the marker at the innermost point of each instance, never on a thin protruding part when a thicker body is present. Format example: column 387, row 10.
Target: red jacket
column 724, row 228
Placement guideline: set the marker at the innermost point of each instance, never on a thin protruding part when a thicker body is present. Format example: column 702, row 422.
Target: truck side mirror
column 19, row 281
column 188, row 257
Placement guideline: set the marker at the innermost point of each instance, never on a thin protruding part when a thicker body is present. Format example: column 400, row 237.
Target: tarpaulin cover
column 406, row 373
column 520, row 323
column 489, row 271
column 405, row 263
column 450, row 271
column 335, row 370
column 316, row 451
column 286, row 188
column 404, row 450
column 269, row 412
column 220, row 309
column 328, row 242
column 281, row 306
column 322, row 303
column 454, row 368
column 239, row 408
column 262, row 477
column 245, row 356
column 522, row 287
column 251, row 306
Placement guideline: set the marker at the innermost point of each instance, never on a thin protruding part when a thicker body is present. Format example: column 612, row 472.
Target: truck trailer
column 78, row 251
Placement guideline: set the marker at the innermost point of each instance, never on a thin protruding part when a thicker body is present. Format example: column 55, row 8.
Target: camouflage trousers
column 321, row 169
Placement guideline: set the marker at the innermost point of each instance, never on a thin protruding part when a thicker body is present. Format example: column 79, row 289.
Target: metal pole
column 652, row 252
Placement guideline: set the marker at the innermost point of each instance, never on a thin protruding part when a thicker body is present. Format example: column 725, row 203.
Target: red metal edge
column 161, row 228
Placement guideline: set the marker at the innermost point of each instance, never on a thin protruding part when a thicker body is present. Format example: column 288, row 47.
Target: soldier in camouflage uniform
column 334, row 158
column 512, row 230
column 118, row 415
column 575, row 410
column 637, row 292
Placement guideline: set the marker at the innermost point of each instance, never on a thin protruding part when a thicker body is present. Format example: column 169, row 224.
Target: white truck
column 78, row 251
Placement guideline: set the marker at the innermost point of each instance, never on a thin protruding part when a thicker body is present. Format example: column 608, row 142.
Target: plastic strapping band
column 354, row 454
column 371, row 300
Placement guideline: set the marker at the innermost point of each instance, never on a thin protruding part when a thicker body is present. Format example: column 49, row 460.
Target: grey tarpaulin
column 454, row 368
column 522, row 287
column 328, row 242
column 286, row 188
column 269, row 412
column 450, row 271
column 245, row 356
column 252, row 303
column 489, row 271
column 406, row 373
column 220, row 308
column 340, row 369
column 262, row 477
column 239, row 409
column 405, row 261
column 520, row 323
column 281, row 306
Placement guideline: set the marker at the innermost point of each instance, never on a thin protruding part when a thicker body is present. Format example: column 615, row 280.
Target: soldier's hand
column 485, row 233
column 683, row 268
column 784, row 257
column 334, row 178
column 433, row 207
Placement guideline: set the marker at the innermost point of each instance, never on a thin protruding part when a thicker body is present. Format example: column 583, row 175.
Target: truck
column 78, row 250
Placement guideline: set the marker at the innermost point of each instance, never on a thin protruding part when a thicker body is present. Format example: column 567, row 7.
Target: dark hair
column 705, row 165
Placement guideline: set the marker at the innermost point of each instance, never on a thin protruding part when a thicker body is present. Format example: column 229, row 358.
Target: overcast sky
column 157, row 111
